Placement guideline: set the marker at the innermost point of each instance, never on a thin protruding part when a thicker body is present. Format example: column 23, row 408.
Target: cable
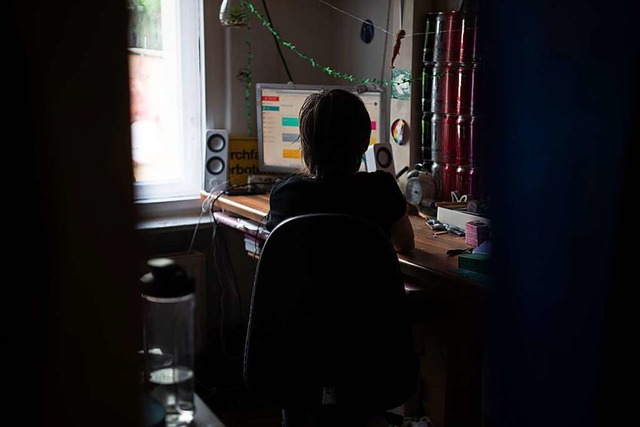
column 353, row 16
column 206, row 205
column 218, row 259
column 386, row 40
column 264, row 4
column 222, row 259
column 256, row 236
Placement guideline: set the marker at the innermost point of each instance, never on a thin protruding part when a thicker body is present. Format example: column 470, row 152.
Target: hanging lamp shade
column 233, row 13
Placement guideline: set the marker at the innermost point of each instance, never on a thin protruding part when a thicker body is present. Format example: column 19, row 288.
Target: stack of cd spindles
column 449, row 74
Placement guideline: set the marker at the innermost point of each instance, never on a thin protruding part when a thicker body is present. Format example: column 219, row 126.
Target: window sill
column 163, row 214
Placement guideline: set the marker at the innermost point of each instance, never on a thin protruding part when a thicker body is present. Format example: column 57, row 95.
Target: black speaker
column 216, row 160
column 380, row 157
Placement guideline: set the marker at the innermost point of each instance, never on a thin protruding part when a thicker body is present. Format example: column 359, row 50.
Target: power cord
column 266, row 11
column 207, row 204
column 222, row 259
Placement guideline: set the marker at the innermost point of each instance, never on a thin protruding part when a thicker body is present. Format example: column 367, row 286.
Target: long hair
column 335, row 129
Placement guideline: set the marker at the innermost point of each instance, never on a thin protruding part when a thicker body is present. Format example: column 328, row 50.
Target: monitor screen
column 278, row 107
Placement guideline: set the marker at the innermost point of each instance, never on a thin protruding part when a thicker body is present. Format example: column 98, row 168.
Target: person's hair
column 335, row 129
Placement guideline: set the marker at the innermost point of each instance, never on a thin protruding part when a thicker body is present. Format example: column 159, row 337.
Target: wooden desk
column 427, row 267
column 448, row 312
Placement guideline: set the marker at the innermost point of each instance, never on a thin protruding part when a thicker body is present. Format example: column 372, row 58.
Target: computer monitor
column 278, row 108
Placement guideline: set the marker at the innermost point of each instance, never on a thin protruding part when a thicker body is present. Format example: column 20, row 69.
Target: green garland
column 247, row 92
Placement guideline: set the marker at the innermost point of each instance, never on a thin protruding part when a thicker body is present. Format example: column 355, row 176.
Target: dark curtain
column 561, row 108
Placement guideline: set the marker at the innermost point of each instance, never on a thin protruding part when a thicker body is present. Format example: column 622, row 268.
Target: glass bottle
column 168, row 304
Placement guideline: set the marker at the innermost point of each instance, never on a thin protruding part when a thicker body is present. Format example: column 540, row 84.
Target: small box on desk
column 458, row 217
column 476, row 232
column 474, row 262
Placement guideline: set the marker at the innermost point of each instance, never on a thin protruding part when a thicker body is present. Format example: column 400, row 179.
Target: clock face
column 428, row 186
column 413, row 193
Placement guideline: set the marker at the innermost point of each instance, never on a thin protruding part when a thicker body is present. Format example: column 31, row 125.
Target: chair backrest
column 328, row 312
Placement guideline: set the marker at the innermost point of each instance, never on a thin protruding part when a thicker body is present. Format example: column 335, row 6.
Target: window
column 166, row 98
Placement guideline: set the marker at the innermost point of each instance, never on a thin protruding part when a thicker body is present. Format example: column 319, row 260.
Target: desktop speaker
column 216, row 160
column 380, row 157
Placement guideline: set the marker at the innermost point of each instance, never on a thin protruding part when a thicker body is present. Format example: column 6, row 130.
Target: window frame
column 182, row 45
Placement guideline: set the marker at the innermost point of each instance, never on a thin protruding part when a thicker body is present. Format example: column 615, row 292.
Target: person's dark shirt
column 372, row 195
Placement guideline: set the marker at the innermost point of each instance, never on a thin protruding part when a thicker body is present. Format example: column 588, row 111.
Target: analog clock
column 421, row 188
column 414, row 191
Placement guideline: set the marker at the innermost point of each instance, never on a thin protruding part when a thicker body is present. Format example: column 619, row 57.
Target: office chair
column 329, row 337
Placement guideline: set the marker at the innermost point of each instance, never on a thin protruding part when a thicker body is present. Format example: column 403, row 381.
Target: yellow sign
column 243, row 159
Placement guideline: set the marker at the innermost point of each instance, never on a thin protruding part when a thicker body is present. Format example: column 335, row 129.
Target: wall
column 71, row 296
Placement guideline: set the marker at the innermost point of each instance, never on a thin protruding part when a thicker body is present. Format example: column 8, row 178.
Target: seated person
column 335, row 129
